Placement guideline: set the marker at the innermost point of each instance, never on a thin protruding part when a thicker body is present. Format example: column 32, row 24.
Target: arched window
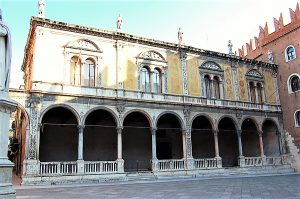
column 295, row 83
column 145, row 80
column 297, row 118
column 207, row 86
column 259, row 93
column 89, row 73
column 75, row 71
column 156, row 81
column 290, row 53
column 252, row 92
column 216, row 87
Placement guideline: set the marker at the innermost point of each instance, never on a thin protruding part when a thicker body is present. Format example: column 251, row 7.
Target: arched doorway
column 58, row 136
column 228, row 142
column 100, row 137
column 202, row 138
column 169, row 138
column 137, row 143
column 270, row 138
column 250, row 139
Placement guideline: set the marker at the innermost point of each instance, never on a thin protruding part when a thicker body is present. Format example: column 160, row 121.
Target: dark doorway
column 270, row 139
column 228, row 143
column 59, row 136
column 169, row 138
column 202, row 138
column 100, row 137
column 250, row 139
column 137, row 143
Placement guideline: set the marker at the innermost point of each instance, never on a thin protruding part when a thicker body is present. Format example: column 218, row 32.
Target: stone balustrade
column 47, row 168
column 253, row 161
column 138, row 95
column 169, row 165
column 100, row 167
column 206, row 163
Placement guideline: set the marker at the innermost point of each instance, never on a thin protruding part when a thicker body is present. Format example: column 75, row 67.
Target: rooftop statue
column 119, row 23
column 41, row 7
column 180, row 35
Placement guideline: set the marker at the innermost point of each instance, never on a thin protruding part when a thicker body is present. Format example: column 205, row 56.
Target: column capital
column 215, row 132
column 119, row 129
column 153, row 131
column 260, row 133
column 80, row 126
column 239, row 132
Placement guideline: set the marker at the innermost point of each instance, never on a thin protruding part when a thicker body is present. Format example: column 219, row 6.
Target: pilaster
column 183, row 57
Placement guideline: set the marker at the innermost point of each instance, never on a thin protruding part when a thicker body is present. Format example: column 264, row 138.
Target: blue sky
column 207, row 24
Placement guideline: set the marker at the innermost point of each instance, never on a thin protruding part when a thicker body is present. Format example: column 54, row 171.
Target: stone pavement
column 275, row 187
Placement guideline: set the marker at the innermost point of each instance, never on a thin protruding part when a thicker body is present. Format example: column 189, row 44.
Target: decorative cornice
column 47, row 23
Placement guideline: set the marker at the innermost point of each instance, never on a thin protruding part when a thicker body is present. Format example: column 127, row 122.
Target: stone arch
column 152, row 55
column 210, row 119
column 202, row 135
column 145, row 113
column 235, row 122
column 181, row 121
column 211, row 65
column 70, row 108
column 228, row 140
column 102, row 108
column 250, row 137
column 58, row 135
column 257, row 125
column 271, row 137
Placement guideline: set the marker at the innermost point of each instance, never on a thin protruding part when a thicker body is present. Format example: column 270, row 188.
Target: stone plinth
column 6, row 107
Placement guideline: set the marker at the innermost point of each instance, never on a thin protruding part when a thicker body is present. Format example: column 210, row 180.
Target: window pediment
column 152, row 55
column 211, row 66
column 83, row 44
column 254, row 73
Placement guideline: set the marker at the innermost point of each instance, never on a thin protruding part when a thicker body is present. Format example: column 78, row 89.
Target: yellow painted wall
column 130, row 76
column 228, row 82
column 269, row 88
column 194, row 80
column 174, row 74
column 242, row 83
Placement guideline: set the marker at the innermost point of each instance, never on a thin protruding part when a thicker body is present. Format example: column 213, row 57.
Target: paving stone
column 267, row 187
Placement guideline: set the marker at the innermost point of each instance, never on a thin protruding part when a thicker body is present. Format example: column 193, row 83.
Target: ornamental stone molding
column 84, row 44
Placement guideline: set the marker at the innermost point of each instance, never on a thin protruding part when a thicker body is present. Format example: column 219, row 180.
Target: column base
column 31, row 167
column 219, row 161
column 120, row 163
column 190, row 163
column 154, row 164
column 80, row 166
column 6, row 189
column 241, row 161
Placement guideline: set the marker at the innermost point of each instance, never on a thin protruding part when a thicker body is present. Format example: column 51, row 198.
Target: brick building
column 282, row 48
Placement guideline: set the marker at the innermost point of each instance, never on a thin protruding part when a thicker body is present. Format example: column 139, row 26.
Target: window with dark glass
column 290, row 51
column 75, row 71
column 207, row 87
column 89, row 73
column 259, row 93
column 298, row 118
column 156, row 81
column 295, row 83
column 145, row 80
column 216, row 87
column 252, row 92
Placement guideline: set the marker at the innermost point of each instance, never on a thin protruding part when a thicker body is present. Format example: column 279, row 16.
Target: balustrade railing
column 253, row 161
column 100, row 167
column 206, row 163
column 165, row 165
column 58, row 167
column 129, row 94
column 278, row 160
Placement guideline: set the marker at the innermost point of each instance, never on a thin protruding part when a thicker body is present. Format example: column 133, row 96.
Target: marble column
column 241, row 157
column 80, row 161
column 154, row 156
column 120, row 160
column 261, row 146
column 217, row 153
column 7, row 106
column 187, row 146
column 279, row 137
